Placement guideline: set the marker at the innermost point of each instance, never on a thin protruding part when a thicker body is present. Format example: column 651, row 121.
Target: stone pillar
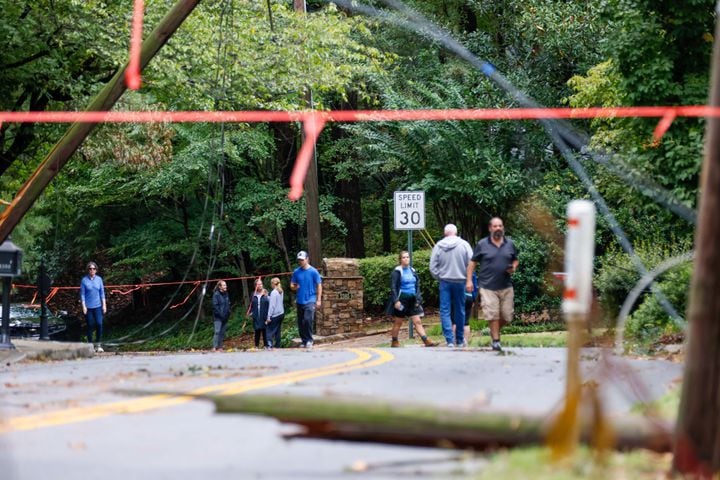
column 342, row 299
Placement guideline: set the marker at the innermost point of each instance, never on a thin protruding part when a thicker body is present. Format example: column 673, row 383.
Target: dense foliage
column 161, row 202
column 648, row 322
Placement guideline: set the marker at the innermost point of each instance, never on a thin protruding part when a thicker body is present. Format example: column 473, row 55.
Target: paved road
column 63, row 419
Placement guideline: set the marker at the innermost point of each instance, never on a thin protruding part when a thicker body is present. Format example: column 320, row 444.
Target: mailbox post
column 44, row 283
column 10, row 260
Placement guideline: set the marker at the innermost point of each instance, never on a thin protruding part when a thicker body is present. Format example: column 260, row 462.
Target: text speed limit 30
column 409, row 210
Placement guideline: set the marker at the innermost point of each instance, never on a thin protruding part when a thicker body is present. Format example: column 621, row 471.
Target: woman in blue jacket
column 406, row 300
column 94, row 306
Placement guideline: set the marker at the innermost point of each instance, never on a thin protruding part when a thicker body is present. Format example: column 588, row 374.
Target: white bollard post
column 579, row 254
column 564, row 433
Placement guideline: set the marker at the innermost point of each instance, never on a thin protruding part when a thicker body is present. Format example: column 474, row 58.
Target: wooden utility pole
column 78, row 132
column 697, row 439
column 312, row 196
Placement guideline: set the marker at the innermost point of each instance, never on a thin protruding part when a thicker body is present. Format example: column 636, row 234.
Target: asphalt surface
column 62, row 419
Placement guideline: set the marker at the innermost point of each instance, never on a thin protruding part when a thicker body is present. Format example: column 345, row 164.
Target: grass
column 665, row 407
column 541, row 334
column 530, row 340
column 535, row 463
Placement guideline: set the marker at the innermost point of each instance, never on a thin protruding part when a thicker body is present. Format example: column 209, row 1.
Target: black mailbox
column 10, row 259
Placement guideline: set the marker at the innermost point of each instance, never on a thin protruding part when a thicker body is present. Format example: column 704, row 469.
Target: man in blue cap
column 306, row 282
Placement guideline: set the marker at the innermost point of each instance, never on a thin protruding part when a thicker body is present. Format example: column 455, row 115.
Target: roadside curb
column 45, row 350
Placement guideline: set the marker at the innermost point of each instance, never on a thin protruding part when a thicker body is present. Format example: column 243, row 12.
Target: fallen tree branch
column 426, row 425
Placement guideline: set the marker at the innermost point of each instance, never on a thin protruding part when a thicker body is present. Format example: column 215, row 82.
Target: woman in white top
column 276, row 313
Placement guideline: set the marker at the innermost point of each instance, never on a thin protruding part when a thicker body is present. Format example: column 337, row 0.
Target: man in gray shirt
column 498, row 259
column 448, row 264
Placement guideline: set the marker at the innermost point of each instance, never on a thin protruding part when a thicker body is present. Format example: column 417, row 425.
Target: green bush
column 649, row 322
column 613, row 281
column 535, row 288
column 289, row 327
column 616, row 275
column 376, row 273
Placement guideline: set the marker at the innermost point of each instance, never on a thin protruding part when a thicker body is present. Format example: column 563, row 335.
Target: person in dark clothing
column 221, row 314
column 470, row 298
column 405, row 300
column 258, row 311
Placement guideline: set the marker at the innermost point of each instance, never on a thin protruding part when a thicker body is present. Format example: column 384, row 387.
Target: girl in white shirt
column 276, row 313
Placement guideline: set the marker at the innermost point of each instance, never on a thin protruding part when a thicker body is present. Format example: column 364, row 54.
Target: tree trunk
column 386, row 242
column 25, row 132
column 284, row 135
column 351, row 214
column 312, row 189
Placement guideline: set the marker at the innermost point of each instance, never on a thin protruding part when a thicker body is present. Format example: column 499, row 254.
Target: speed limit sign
column 409, row 210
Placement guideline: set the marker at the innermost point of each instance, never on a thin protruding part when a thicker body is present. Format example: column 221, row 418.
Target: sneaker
column 429, row 343
column 451, row 345
column 496, row 346
column 395, row 343
column 309, row 346
column 99, row 349
column 464, row 344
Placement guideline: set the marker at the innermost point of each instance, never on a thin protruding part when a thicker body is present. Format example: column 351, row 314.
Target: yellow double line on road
column 364, row 359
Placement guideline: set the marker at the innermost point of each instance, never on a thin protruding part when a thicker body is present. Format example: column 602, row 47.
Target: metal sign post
column 409, row 215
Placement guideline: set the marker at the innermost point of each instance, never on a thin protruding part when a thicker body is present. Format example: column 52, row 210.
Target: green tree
column 657, row 54
column 145, row 196
column 54, row 54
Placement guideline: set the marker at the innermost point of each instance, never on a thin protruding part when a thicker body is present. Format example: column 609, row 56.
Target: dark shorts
column 411, row 307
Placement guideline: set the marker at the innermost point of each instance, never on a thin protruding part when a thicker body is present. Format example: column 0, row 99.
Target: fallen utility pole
column 427, row 425
column 78, row 132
